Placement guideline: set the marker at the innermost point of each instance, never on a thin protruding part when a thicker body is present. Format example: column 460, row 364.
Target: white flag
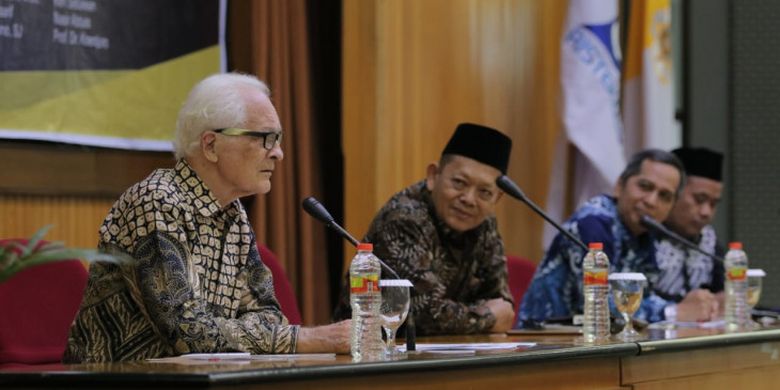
column 590, row 78
column 648, row 98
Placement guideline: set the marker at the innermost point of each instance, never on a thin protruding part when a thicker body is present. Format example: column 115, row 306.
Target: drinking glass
column 394, row 309
column 627, row 289
column 755, row 279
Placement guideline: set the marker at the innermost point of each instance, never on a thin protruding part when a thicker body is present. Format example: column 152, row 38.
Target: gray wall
column 754, row 137
column 707, row 88
column 732, row 98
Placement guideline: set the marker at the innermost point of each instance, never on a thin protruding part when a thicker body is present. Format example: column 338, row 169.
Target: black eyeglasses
column 270, row 138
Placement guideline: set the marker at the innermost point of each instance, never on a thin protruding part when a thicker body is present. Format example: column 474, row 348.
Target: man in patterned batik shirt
column 647, row 186
column 193, row 281
column 441, row 234
column 691, row 282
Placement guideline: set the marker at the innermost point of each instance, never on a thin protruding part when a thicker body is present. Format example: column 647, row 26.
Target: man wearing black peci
column 441, row 234
column 690, row 281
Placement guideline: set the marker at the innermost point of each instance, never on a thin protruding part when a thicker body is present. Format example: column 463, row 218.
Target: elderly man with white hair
column 195, row 282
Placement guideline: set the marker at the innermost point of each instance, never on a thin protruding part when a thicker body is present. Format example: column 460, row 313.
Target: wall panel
column 69, row 186
column 413, row 70
column 754, row 137
column 75, row 219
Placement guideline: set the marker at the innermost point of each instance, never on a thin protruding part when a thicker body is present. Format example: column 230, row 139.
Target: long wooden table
column 681, row 359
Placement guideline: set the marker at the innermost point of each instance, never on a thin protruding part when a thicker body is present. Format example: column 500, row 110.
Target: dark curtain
column 286, row 45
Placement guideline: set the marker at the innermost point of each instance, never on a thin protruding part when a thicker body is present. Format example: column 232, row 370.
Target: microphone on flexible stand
column 314, row 208
column 654, row 225
column 507, row 185
column 318, row 211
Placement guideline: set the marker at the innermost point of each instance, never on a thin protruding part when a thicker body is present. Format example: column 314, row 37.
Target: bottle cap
column 735, row 245
column 596, row 245
column 365, row 246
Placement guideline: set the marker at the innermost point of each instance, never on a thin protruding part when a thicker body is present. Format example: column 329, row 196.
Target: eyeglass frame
column 275, row 137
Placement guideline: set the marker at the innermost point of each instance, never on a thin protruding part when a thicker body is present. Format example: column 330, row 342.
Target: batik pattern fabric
column 191, row 281
column 683, row 269
column 453, row 273
column 556, row 288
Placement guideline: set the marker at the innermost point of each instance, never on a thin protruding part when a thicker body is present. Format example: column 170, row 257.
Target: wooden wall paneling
column 413, row 70
column 75, row 219
column 748, row 366
column 45, row 168
column 602, row 374
column 359, row 120
column 534, row 127
column 752, row 378
column 71, row 187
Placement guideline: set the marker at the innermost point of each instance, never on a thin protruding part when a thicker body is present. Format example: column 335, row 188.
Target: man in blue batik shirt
column 648, row 186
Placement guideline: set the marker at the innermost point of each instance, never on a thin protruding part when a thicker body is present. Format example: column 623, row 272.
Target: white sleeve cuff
column 670, row 312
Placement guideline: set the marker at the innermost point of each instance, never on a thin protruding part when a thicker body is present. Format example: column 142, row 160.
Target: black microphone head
column 507, row 185
column 317, row 210
column 649, row 222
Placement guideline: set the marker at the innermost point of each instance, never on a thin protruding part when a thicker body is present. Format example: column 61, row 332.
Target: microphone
column 654, row 225
column 507, row 185
column 314, row 208
column 319, row 212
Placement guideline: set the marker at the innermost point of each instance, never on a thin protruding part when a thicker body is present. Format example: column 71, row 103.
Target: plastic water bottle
column 595, row 271
column 365, row 298
column 737, row 311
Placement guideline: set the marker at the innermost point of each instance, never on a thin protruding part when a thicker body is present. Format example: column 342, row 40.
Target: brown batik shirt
column 453, row 273
column 193, row 283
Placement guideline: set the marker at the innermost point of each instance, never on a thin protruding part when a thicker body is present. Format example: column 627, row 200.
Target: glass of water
column 394, row 309
column 755, row 280
column 627, row 289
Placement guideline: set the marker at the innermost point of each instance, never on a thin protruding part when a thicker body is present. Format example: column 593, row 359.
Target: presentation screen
column 109, row 73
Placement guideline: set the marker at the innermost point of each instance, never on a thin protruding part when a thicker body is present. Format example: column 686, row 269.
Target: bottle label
column 736, row 274
column 364, row 284
column 595, row 278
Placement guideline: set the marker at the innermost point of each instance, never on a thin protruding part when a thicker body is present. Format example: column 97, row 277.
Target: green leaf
column 7, row 259
column 35, row 239
column 15, row 257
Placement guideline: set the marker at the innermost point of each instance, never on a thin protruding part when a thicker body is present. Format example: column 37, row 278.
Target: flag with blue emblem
column 590, row 150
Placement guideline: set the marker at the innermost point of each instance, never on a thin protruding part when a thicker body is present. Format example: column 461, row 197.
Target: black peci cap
column 484, row 144
column 701, row 162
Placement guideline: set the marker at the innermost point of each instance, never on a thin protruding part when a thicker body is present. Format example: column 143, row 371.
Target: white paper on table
column 691, row 325
column 206, row 358
column 240, row 357
column 295, row 356
column 217, row 356
column 467, row 347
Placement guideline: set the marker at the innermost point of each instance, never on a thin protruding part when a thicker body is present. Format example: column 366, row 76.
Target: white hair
column 216, row 102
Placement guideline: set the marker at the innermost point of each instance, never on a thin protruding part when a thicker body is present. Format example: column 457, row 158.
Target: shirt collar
column 199, row 193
